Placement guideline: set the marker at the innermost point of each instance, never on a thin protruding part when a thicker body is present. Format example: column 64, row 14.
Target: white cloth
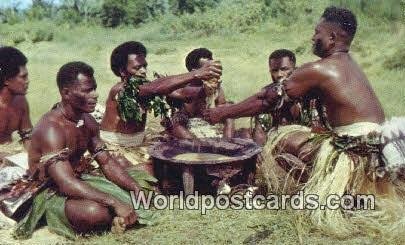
column 202, row 129
column 358, row 129
column 9, row 174
column 119, row 139
column 393, row 141
column 98, row 112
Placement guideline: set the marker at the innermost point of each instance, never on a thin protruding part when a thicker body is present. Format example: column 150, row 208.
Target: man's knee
column 87, row 215
column 292, row 144
column 147, row 167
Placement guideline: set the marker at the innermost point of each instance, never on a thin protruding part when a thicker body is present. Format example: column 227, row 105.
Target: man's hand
column 213, row 115
column 210, row 69
column 126, row 212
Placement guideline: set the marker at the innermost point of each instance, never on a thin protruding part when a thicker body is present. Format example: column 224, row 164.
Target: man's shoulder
column 48, row 129
column 114, row 91
column 118, row 87
column 48, row 122
column 319, row 70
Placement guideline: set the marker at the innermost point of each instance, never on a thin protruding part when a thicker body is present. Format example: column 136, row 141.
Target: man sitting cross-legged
column 75, row 199
column 194, row 98
column 123, row 124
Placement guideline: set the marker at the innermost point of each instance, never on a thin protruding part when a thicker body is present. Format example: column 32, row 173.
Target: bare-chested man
column 14, row 114
column 343, row 160
column 128, row 60
column 336, row 78
column 199, row 95
column 14, row 111
column 281, row 65
column 74, row 201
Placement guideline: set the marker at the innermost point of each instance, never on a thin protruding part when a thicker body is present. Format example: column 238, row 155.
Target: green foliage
column 41, row 34
column 396, row 60
column 387, row 9
column 133, row 12
column 191, row 6
column 131, row 108
column 230, row 15
column 18, row 38
column 10, row 16
column 113, row 13
column 39, row 11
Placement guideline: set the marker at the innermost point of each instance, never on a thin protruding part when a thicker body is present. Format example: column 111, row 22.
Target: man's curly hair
column 193, row 58
column 343, row 17
column 119, row 56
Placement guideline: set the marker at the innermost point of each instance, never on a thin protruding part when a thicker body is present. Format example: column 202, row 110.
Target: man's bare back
column 342, row 87
column 337, row 79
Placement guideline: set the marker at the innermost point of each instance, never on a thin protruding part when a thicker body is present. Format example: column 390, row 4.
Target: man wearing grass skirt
column 358, row 154
column 71, row 195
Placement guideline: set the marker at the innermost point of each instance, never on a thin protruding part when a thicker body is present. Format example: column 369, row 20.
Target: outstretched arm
column 166, row 85
column 251, row 106
column 303, row 79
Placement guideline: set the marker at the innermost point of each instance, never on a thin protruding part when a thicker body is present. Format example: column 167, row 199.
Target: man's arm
column 62, row 174
column 300, row 82
column 111, row 169
column 251, row 106
column 25, row 127
column 229, row 124
column 166, row 85
column 187, row 94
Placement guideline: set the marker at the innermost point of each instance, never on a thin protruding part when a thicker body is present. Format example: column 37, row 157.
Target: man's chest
column 10, row 119
column 78, row 139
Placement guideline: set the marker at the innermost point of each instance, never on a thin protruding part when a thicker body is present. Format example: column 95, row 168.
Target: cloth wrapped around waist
column 120, row 139
column 131, row 146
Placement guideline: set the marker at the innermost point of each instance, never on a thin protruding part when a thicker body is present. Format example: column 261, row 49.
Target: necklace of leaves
column 130, row 106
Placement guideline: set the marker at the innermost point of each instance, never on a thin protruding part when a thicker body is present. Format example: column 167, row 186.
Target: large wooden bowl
column 238, row 168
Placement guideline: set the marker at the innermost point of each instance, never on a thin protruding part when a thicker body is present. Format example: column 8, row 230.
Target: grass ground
column 244, row 58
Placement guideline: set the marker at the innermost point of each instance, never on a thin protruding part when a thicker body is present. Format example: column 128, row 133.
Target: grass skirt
column 340, row 173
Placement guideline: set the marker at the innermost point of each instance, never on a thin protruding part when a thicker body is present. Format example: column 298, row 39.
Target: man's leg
column 87, row 216
column 295, row 154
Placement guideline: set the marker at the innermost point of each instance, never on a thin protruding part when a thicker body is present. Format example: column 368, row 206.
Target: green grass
column 244, row 58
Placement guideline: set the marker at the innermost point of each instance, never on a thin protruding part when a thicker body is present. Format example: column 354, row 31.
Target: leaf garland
column 131, row 107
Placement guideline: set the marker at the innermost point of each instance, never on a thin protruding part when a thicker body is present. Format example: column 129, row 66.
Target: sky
column 21, row 3
column 10, row 3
